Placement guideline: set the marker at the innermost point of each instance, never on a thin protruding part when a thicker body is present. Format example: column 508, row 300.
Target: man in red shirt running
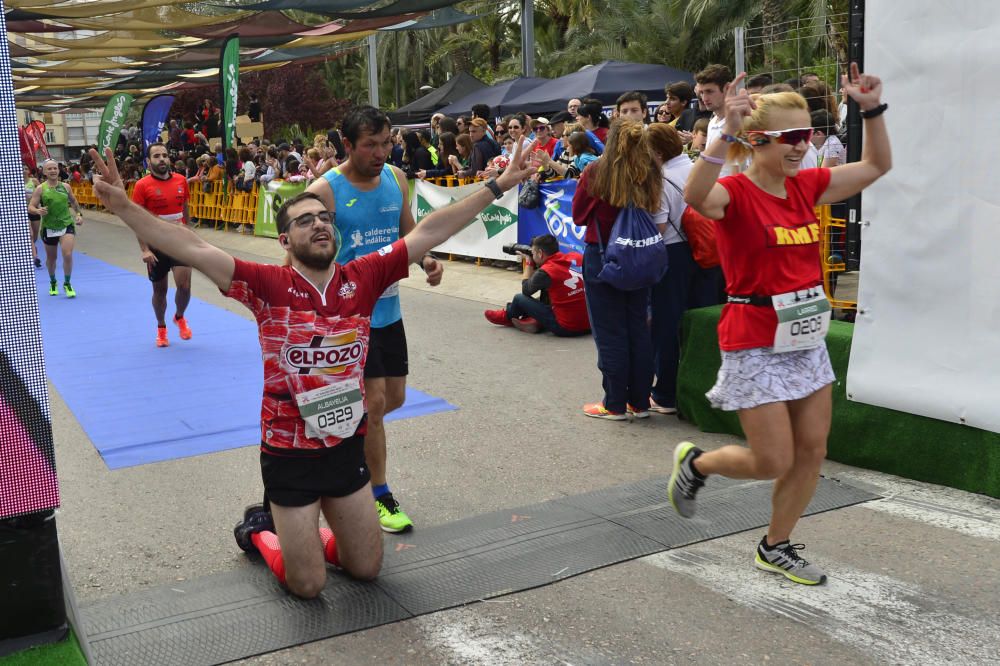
column 165, row 194
column 314, row 317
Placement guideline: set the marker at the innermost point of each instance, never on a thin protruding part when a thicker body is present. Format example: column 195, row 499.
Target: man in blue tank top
column 370, row 199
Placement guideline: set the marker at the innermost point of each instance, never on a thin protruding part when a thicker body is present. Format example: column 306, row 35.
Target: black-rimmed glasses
column 306, row 220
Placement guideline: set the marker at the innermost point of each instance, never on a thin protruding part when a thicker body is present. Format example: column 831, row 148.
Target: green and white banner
column 112, row 121
column 269, row 200
column 229, row 75
column 485, row 235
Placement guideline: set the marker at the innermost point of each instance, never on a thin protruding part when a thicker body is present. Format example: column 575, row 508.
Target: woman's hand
column 865, row 89
column 739, row 105
column 421, row 174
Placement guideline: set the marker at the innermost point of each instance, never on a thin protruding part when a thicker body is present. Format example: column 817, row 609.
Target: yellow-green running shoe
column 53, row 288
column 390, row 516
column 685, row 481
column 784, row 558
column 68, row 288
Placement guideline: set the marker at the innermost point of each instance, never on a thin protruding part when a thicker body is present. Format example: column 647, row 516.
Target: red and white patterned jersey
column 311, row 339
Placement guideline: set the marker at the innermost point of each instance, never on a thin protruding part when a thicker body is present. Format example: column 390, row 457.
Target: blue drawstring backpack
column 635, row 257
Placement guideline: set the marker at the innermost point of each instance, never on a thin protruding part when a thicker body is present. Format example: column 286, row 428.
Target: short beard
column 156, row 171
column 312, row 260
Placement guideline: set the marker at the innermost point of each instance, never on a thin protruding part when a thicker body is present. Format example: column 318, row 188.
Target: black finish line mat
column 242, row 613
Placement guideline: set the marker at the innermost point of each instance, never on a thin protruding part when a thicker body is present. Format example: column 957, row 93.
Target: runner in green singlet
column 52, row 200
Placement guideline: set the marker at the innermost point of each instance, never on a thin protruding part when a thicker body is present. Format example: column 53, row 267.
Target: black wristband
column 877, row 111
column 421, row 262
column 492, row 186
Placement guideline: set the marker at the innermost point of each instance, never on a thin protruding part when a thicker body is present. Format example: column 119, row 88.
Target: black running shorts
column 161, row 269
column 387, row 356
column 54, row 240
column 303, row 478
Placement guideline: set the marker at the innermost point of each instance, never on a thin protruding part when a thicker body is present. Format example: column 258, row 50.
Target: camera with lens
column 517, row 248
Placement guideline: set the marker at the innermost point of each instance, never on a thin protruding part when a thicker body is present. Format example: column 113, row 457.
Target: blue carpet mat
column 141, row 404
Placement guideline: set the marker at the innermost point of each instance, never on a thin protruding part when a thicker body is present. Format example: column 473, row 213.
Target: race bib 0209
column 803, row 319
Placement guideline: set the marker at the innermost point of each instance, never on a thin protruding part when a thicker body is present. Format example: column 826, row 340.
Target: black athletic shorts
column 387, row 355
column 34, row 218
column 161, row 269
column 54, row 240
column 303, row 478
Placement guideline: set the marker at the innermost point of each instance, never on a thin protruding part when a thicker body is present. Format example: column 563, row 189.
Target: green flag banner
column 269, row 200
column 112, row 121
column 229, row 73
column 486, row 234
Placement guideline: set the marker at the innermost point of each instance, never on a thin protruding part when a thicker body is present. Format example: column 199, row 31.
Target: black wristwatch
column 492, row 186
column 877, row 111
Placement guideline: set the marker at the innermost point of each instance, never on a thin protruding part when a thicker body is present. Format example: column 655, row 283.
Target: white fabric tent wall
column 927, row 339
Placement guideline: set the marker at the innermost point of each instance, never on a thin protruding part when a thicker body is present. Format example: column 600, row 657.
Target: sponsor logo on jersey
column 385, row 250
column 348, row 289
column 326, row 354
column 351, row 203
column 298, row 294
column 807, row 234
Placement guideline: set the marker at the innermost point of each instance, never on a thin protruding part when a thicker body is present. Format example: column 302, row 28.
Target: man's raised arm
column 178, row 242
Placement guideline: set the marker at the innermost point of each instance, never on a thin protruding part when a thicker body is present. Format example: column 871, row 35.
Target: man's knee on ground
column 306, row 584
column 367, row 569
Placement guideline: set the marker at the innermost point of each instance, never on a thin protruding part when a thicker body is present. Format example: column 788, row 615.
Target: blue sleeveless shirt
column 367, row 221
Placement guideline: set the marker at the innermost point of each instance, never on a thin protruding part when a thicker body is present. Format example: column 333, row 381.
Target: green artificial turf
column 64, row 653
column 915, row 447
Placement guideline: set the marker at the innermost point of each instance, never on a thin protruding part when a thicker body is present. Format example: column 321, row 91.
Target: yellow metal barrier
column 828, row 225
column 215, row 202
column 219, row 203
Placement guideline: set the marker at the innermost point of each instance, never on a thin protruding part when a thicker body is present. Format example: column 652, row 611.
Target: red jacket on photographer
column 561, row 277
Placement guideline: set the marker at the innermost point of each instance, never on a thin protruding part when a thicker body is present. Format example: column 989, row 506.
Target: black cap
column 560, row 117
column 284, row 146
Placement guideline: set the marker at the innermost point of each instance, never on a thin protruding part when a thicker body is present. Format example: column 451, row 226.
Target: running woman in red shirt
column 314, row 317
column 165, row 194
column 775, row 368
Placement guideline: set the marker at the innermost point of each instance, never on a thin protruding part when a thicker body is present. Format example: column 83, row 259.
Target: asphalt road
column 913, row 577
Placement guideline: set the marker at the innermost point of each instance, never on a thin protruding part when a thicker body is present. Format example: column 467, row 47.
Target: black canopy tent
column 604, row 81
column 494, row 96
column 421, row 110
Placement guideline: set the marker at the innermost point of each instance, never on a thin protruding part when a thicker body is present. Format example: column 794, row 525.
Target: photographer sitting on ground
column 562, row 308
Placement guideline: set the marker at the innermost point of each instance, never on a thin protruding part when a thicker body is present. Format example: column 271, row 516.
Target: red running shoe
column 527, row 325
column 498, row 317
column 182, row 325
column 161, row 337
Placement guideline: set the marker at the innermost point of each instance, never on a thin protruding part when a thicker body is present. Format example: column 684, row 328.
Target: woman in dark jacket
column 415, row 156
column 446, row 148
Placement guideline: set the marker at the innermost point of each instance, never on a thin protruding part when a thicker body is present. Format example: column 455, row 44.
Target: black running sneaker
column 685, row 481
column 255, row 519
column 784, row 558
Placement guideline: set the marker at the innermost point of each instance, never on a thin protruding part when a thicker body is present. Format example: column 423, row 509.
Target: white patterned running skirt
column 753, row 377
